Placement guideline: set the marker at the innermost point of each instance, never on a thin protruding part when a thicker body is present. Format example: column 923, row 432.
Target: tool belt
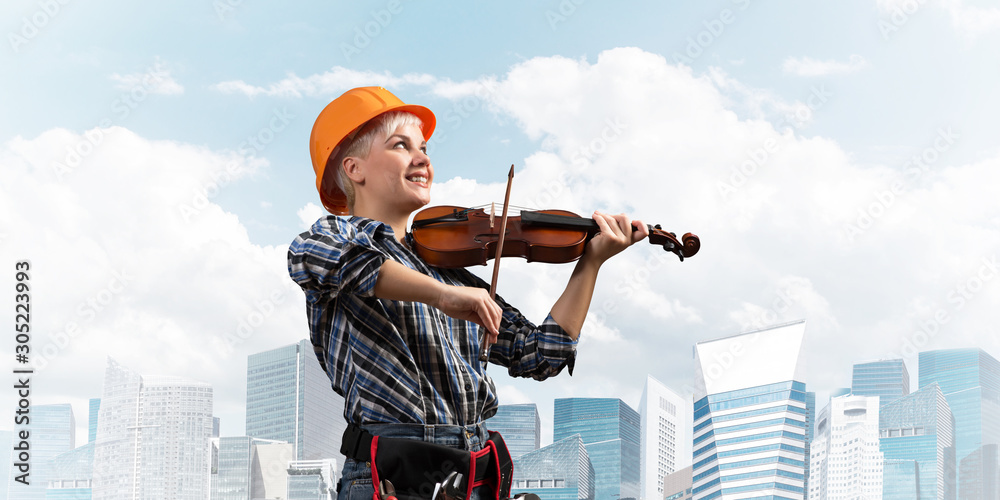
column 414, row 466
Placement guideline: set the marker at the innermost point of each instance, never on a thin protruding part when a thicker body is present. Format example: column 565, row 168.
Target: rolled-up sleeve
column 334, row 257
column 537, row 352
column 527, row 350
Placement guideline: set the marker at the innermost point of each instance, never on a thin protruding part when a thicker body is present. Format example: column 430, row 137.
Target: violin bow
column 484, row 346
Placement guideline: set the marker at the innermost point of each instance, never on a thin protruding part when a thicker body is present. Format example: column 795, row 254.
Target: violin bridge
column 493, row 211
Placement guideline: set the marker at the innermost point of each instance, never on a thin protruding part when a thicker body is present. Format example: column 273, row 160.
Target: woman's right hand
column 471, row 304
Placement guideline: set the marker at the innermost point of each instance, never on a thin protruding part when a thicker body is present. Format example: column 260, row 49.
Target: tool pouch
column 414, row 467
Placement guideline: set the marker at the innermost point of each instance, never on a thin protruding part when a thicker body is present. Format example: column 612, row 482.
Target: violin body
column 452, row 237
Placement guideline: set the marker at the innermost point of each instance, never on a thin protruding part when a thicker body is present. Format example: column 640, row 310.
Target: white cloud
column 969, row 21
column 806, row 66
column 332, row 82
column 972, row 20
column 309, row 214
column 131, row 258
column 154, row 80
column 777, row 213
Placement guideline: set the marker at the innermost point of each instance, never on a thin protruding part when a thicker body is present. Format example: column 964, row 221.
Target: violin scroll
column 687, row 246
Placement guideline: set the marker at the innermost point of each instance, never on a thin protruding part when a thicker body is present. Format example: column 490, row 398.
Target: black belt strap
column 357, row 444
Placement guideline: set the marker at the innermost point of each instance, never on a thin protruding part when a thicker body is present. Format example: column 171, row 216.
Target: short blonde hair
column 359, row 145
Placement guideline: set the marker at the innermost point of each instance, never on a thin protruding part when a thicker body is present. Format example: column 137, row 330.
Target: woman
column 399, row 338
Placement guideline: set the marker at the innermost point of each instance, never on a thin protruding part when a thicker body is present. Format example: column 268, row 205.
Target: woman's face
column 398, row 170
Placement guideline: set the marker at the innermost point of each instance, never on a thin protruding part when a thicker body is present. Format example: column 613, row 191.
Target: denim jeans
column 356, row 478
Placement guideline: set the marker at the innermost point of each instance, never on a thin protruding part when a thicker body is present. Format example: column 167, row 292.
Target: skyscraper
column 984, row 464
column 312, row 479
column 846, row 461
column 886, row 378
column 559, row 471
column 609, row 429
column 152, row 437
column 750, row 416
column 520, row 427
column 240, row 465
column 677, row 485
column 664, row 436
column 289, row 399
column 918, row 427
column 94, row 407
column 970, row 380
column 72, row 474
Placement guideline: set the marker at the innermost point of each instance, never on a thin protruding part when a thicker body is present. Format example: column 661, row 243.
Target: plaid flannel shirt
column 407, row 362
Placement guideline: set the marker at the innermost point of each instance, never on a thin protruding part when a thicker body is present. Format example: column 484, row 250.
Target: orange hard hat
column 341, row 119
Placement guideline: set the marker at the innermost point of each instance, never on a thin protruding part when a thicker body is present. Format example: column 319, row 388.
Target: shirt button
column 468, row 387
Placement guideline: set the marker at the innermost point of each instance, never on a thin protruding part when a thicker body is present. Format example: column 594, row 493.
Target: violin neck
column 561, row 221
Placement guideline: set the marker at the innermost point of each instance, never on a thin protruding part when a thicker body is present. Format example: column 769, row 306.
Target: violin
column 451, row 237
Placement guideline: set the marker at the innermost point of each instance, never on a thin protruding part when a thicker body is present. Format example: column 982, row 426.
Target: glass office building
column 983, row 465
column 665, row 436
column 888, row 379
column 970, row 381
column 919, row 427
column 289, row 399
column 750, row 416
column 520, row 427
column 94, row 407
column 900, row 479
column 72, row 475
column 609, row 429
column 559, row 471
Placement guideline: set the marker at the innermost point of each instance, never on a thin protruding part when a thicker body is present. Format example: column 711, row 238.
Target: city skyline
column 84, row 429
column 957, row 368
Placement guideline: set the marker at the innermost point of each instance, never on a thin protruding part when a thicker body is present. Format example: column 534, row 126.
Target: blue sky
column 783, row 133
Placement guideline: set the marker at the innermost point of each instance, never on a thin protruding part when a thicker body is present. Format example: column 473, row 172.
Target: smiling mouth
column 420, row 179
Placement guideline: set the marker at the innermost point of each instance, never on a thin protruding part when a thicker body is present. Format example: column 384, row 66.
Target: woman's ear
column 352, row 168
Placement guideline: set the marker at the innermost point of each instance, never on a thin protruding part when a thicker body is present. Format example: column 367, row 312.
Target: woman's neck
column 397, row 221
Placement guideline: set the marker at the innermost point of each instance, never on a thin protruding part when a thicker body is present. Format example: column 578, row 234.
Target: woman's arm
column 398, row 282
column 570, row 310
